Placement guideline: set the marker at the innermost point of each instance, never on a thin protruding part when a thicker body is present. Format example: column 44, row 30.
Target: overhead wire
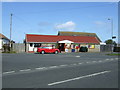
column 22, row 20
column 46, row 11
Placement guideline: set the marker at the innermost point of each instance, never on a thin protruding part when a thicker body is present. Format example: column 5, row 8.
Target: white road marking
column 88, row 62
column 53, row 66
column 107, row 59
column 24, row 70
column 79, row 63
column 40, row 68
column 77, row 56
column 94, row 61
column 77, row 78
column 116, row 58
column 8, row 72
column 63, row 65
column 99, row 61
column 74, row 64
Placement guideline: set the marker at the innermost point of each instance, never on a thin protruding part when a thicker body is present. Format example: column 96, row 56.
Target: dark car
column 83, row 49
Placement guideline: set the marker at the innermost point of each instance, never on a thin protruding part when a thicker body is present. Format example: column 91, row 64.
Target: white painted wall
column 31, row 48
column 96, row 49
column 35, row 49
column 0, row 43
column 5, row 41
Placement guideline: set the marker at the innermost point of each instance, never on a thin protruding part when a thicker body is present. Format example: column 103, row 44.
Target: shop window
column 31, row 44
column 37, row 44
column 91, row 46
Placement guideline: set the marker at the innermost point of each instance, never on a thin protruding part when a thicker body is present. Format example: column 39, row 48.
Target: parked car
column 83, row 49
column 46, row 49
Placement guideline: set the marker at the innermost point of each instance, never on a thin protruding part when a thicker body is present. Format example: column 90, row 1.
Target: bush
column 6, row 48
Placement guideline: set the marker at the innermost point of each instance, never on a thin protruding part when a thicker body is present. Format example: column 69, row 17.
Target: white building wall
column 31, row 48
column 4, row 41
column 96, row 49
column 0, row 43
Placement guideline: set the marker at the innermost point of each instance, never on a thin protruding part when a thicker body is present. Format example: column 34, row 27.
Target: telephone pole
column 10, row 29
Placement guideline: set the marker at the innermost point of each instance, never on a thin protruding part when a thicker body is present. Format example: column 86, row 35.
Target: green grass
column 114, row 54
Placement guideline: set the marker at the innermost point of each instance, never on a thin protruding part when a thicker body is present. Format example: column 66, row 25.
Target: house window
column 37, row 44
column 91, row 46
column 31, row 44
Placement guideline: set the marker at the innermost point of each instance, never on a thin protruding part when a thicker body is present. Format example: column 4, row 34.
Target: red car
column 44, row 50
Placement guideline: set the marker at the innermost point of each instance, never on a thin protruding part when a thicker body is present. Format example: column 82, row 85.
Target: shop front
column 63, row 43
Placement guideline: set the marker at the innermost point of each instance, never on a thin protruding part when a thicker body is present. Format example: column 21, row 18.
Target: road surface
column 66, row 70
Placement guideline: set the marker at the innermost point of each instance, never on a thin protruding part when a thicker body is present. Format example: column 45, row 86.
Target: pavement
column 63, row 70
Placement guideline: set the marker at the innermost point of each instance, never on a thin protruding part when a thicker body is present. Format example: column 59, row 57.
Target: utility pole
column 10, row 29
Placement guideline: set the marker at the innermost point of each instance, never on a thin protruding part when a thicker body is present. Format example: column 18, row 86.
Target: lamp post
column 10, row 29
column 111, row 34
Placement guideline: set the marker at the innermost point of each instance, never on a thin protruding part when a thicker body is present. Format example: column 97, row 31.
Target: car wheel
column 42, row 52
column 56, row 52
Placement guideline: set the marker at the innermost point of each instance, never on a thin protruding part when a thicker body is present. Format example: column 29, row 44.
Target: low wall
column 105, row 48
column 18, row 47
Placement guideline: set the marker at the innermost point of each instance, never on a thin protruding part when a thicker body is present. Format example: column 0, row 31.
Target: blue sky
column 47, row 18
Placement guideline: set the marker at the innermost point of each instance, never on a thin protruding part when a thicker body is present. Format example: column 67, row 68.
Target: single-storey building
column 3, row 40
column 68, row 43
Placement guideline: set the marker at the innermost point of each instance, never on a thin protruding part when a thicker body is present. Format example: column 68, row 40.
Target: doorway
column 61, row 46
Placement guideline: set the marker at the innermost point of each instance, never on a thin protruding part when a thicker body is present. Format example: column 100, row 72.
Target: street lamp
column 10, row 30
column 111, row 26
column 112, row 33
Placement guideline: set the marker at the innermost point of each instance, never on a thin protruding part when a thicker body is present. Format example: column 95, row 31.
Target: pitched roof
column 75, row 33
column 55, row 38
column 69, row 33
column 3, row 37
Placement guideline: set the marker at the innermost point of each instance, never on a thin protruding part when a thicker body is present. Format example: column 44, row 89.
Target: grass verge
column 114, row 54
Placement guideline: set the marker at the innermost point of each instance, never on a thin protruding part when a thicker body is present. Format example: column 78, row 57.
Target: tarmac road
column 71, row 70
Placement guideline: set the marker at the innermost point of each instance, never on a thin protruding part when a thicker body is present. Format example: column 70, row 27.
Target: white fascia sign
column 65, row 41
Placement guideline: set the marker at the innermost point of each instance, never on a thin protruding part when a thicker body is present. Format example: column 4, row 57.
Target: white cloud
column 68, row 26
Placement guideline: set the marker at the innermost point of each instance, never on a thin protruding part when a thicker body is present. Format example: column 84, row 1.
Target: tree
column 110, row 41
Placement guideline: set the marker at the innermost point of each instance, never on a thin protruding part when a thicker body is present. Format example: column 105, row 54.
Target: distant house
column 3, row 40
column 67, row 41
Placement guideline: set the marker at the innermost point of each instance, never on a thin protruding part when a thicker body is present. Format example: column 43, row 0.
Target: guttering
column 74, row 42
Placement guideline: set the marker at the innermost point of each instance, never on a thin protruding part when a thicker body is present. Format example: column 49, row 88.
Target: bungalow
column 68, row 43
